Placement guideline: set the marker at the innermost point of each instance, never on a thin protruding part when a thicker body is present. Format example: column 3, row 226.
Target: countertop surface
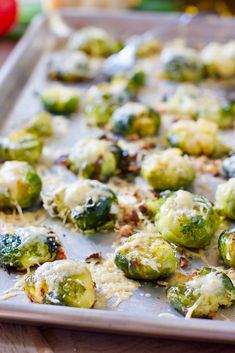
column 28, row 339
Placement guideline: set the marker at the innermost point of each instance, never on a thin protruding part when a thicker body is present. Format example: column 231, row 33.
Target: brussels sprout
column 88, row 204
column 146, row 257
column 70, row 67
column 102, row 100
column 40, row 124
column 196, row 138
column 197, row 103
column 27, row 247
column 219, row 59
column 19, row 185
column 229, row 166
column 186, row 219
column 94, row 42
column 135, row 119
column 168, row 169
column 21, row 146
column 203, row 295
column 132, row 82
column 226, row 245
column 60, row 99
column 149, row 48
column 225, row 198
column 95, row 159
column 64, row 282
column 182, row 64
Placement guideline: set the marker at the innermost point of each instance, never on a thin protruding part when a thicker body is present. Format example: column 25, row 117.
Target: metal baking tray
column 23, row 75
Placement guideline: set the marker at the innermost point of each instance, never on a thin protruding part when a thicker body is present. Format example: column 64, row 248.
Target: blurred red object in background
column 8, row 14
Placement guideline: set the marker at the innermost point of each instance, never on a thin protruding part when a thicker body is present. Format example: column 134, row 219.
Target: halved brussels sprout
column 70, row 67
column 149, row 48
column 229, row 166
column 219, row 59
column 64, row 282
column 20, row 185
column 102, row 100
column 135, row 119
column 225, row 198
column 94, row 42
column 182, row 64
column 40, row 124
column 203, row 295
column 146, row 257
column 226, row 245
column 29, row 246
column 88, row 204
column 168, row 169
column 196, row 138
column 60, row 99
column 132, row 81
column 186, row 219
column 197, row 103
column 95, row 159
column 21, row 146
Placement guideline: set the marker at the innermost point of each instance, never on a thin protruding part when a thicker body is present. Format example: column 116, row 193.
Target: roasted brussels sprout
column 40, row 124
column 60, row 99
column 132, row 82
column 146, row 257
column 94, row 159
column 186, row 219
column 182, row 64
column 88, row 204
column 229, row 166
column 196, row 103
column 168, row 169
column 226, row 245
column 196, row 138
column 64, row 282
column 94, row 42
column 20, row 185
column 70, row 67
column 203, row 294
column 225, row 198
column 102, row 100
column 149, row 48
column 219, row 59
column 29, row 246
column 135, row 119
column 21, row 146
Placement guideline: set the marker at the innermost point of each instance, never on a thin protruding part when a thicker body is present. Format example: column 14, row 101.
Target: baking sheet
column 23, row 76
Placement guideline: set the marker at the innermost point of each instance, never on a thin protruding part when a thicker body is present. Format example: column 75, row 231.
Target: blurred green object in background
column 159, row 5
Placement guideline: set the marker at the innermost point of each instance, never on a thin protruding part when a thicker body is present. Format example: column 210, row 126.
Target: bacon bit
column 183, row 261
column 62, row 160
column 42, row 292
column 147, row 145
column 61, row 254
column 134, row 217
column 133, row 168
column 143, row 208
column 205, row 165
column 126, row 231
column 211, row 315
column 97, row 257
column 132, row 137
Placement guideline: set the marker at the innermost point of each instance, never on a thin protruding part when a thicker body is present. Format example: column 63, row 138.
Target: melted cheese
column 88, row 151
column 78, row 192
column 10, row 174
column 220, row 58
column 132, row 108
column 111, row 283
